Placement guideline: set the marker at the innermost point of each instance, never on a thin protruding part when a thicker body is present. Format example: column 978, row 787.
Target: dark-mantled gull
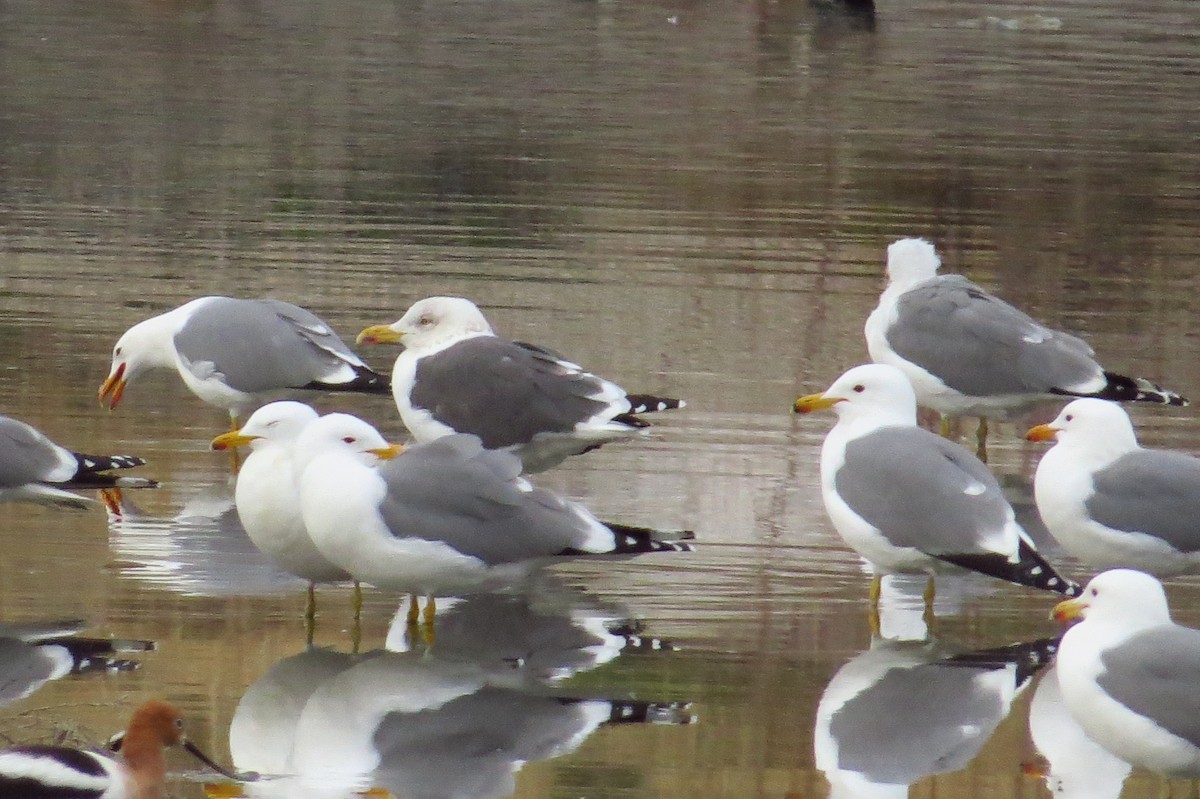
column 267, row 494
column 908, row 500
column 35, row 469
column 1129, row 674
column 1112, row 503
column 457, row 376
column 446, row 517
column 970, row 353
column 238, row 354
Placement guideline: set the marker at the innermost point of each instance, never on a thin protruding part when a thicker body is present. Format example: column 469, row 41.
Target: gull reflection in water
column 909, row 707
column 199, row 550
column 34, row 653
column 455, row 716
column 1076, row 767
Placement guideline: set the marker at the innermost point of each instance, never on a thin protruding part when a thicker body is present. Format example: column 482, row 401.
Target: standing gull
column 268, row 497
column 35, row 469
column 1112, row 503
column 444, row 517
column 1129, row 674
column 970, row 353
column 237, row 354
column 908, row 500
column 456, row 376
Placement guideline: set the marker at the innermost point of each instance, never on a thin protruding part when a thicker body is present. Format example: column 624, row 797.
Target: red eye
column 349, row 439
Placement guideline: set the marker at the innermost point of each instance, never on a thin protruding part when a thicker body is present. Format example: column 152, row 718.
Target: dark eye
column 1094, row 592
column 117, row 351
column 860, row 388
column 349, row 439
column 425, row 321
column 1068, row 417
column 179, row 723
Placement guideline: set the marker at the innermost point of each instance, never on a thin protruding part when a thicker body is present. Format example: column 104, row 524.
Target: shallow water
column 689, row 198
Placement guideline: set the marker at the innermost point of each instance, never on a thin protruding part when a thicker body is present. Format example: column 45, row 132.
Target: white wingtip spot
column 974, row 489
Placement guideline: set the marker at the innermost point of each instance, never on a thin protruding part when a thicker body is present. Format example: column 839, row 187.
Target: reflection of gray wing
column 504, row 392
column 1152, row 492
column 914, row 722
column 23, row 668
column 263, row 345
column 471, row 746
column 1156, row 673
column 27, row 456
column 982, row 346
column 922, row 491
column 455, row 491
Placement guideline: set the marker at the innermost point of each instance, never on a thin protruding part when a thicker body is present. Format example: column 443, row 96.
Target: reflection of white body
column 1078, row 767
column 201, row 550
column 457, row 720
column 895, row 714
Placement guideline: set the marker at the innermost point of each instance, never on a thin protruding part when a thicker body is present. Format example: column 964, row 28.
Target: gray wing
column 922, row 491
column 981, row 346
column 22, row 668
column 1156, row 673
column 455, row 491
column 27, row 456
column 263, row 345
column 504, row 392
column 1152, row 492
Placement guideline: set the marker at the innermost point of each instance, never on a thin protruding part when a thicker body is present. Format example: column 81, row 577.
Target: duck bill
column 113, row 387
column 198, row 753
column 1068, row 610
column 231, row 440
column 379, row 334
column 814, row 402
column 388, row 452
column 1042, row 432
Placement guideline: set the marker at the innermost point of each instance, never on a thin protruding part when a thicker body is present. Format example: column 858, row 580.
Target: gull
column 968, row 352
column 237, row 354
column 1128, row 673
column 1112, row 503
column 457, row 376
column 442, row 518
column 267, row 495
column 909, row 501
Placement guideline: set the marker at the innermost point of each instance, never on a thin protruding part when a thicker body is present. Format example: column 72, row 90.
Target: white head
column 1123, row 597
column 277, row 423
column 146, row 345
column 431, row 323
column 1098, row 428
column 910, row 261
column 874, row 392
column 343, row 433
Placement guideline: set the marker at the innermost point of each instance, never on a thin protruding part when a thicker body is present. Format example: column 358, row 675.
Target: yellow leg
column 414, row 610
column 430, row 610
column 944, row 427
column 235, row 460
column 356, row 630
column 929, row 595
column 876, row 591
column 981, row 439
column 310, row 614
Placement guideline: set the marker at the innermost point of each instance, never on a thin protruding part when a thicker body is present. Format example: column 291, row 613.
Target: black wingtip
column 366, row 381
column 1030, row 569
column 1028, row 656
column 630, row 540
column 90, row 471
column 652, row 403
column 1138, row 389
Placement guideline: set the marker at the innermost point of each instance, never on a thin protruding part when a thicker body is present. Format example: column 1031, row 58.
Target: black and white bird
column 35, row 469
column 238, row 354
column 456, row 375
column 910, row 501
column 968, row 352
